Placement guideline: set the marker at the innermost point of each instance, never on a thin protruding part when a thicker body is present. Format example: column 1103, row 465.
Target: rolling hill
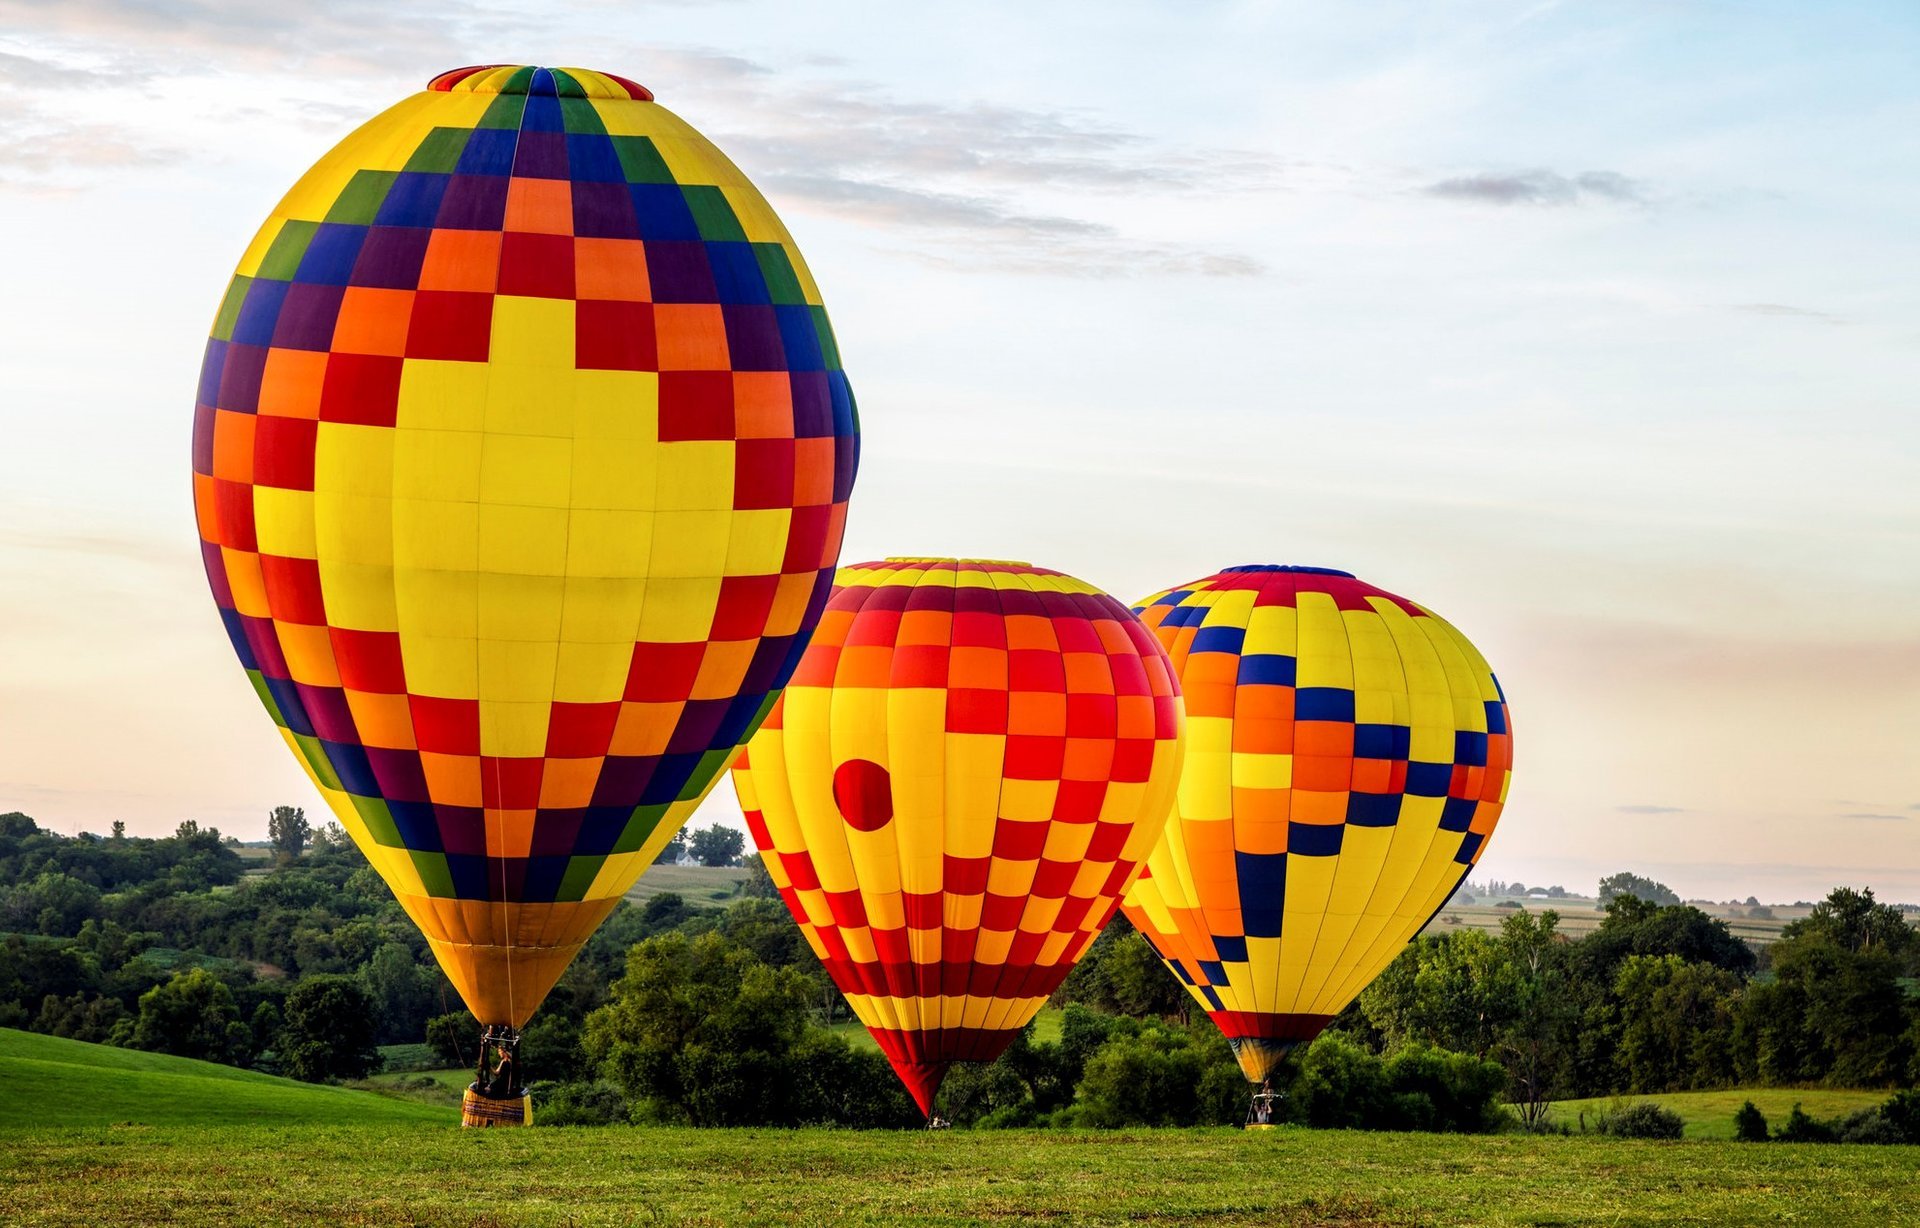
column 54, row 1082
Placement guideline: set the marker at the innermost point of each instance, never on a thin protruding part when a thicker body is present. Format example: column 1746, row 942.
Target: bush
column 1151, row 1079
column 1750, row 1124
column 1801, row 1128
column 1643, row 1120
column 1902, row 1111
column 596, row 1103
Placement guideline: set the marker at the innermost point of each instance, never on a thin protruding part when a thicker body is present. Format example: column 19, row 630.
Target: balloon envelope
column 1348, row 753
column 521, row 457
column 955, row 790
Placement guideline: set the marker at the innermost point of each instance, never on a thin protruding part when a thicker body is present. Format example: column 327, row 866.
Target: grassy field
column 426, row 1175
column 49, row 1080
column 224, row 1146
column 701, row 886
column 1709, row 1115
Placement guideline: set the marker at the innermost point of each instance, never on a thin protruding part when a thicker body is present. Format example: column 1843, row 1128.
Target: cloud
column 1541, row 187
column 1785, row 311
column 956, row 181
column 1868, row 814
column 358, row 36
column 1651, row 809
column 26, row 72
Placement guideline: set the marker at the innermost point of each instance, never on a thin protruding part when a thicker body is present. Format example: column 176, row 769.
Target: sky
column 1593, row 327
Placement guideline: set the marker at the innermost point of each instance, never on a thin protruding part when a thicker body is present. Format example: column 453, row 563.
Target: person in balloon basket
column 502, row 1085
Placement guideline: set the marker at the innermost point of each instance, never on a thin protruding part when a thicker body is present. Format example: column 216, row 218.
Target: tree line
column 723, row 1016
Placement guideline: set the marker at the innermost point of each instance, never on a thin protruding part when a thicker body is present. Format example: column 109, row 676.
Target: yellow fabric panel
column 359, row 596
column 283, row 522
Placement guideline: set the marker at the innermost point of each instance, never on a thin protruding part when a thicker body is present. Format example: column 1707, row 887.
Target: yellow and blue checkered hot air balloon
column 521, row 458
column 1348, row 754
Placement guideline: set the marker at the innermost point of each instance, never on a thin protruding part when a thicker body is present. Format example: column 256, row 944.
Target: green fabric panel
column 711, row 764
column 577, row 115
column 229, row 313
column 379, row 820
column 361, row 199
column 580, row 874
column 713, row 214
column 316, row 757
column 639, row 827
column 829, row 349
column 440, row 152
column 504, row 112
column 283, row 258
column 641, row 160
column 434, row 875
column 783, row 284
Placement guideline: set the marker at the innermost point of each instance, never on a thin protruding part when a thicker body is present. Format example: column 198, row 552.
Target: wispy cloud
column 1871, row 814
column 1785, row 311
column 963, row 175
column 1651, row 809
column 1541, row 187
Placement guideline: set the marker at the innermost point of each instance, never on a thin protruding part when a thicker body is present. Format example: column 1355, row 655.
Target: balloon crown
column 529, row 79
column 1305, row 571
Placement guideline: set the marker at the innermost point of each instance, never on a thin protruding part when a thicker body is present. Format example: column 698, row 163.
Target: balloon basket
column 483, row 1111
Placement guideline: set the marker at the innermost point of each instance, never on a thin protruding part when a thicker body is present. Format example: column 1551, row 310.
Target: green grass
column 700, row 886
column 1709, row 1115
column 47, row 1081
column 426, row 1086
column 426, row 1175
column 269, row 1151
column 1046, row 1029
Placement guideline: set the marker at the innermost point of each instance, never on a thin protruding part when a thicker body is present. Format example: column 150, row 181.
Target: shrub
column 1750, row 1124
column 596, row 1103
column 1643, row 1120
column 1866, row 1126
column 1801, row 1128
column 1902, row 1111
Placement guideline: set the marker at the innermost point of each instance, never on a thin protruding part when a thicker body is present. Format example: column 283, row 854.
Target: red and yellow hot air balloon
column 521, row 459
column 954, row 791
column 1348, row 754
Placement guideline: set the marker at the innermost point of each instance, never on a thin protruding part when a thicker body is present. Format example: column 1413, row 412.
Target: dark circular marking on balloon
column 864, row 792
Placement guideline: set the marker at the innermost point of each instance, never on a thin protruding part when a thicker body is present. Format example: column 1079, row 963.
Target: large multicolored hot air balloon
column 521, row 459
column 964, row 776
column 1348, row 754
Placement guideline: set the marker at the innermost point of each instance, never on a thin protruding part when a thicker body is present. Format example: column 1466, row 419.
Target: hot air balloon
column 521, row 458
column 962, row 779
column 1348, row 753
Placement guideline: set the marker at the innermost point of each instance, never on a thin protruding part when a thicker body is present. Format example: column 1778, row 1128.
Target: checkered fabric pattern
column 962, row 779
column 521, row 459
column 1348, row 753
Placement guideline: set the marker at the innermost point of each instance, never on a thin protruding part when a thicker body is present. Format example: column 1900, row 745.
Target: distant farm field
column 700, row 886
column 1581, row 915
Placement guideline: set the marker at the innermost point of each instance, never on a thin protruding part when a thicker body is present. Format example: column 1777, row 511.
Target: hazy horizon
column 1594, row 330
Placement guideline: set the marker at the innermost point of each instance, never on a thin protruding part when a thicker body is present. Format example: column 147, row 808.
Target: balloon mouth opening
column 1295, row 568
column 537, row 81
